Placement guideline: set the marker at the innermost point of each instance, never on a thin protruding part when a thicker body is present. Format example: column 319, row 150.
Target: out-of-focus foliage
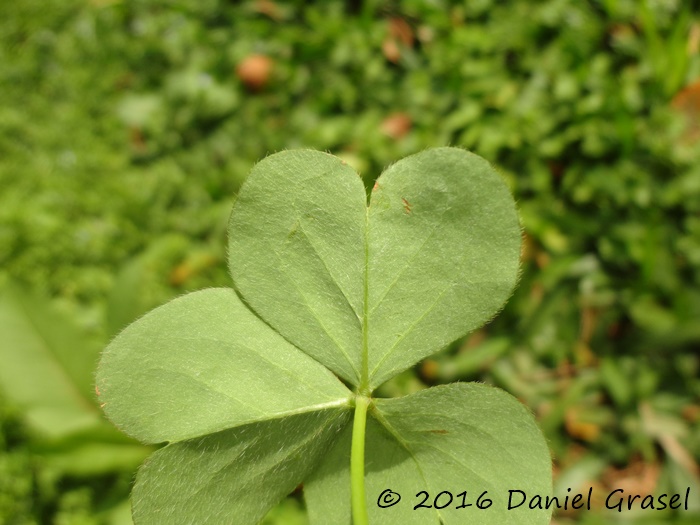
column 127, row 126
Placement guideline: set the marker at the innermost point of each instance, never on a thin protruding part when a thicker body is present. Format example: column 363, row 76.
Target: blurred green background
column 127, row 126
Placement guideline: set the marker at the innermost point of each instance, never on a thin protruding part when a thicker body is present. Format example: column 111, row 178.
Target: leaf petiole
column 357, row 462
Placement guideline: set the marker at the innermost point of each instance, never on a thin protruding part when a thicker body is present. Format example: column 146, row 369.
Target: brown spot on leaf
column 406, row 205
column 97, row 390
column 439, row 431
column 376, row 186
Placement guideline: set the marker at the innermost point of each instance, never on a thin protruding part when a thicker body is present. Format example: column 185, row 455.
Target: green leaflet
column 460, row 437
column 444, row 249
column 242, row 385
column 233, row 476
column 203, row 363
column 297, row 254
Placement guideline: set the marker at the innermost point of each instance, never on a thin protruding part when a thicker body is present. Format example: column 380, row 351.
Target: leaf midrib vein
column 409, row 330
column 408, row 263
column 364, row 378
column 263, row 357
column 206, row 386
column 313, row 312
column 338, row 403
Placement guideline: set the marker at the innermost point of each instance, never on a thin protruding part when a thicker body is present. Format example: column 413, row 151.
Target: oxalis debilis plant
column 263, row 387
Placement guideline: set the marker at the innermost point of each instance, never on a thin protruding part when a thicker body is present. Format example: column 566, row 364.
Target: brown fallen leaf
column 691, row 413
column 400, row 34
column 578, row 428
column 268, row 8
column 400, row 30
column 391, row 50
column 255, row 71
column 137, row 141
column 396, row 125
column 687, row 103
column 639, row 477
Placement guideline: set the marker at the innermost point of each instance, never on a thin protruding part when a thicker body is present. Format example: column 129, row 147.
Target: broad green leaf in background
column 47, row 370
column 46, row 365
column 244, row 384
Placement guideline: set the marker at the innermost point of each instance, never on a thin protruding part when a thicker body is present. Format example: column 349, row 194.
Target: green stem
column 357, row 462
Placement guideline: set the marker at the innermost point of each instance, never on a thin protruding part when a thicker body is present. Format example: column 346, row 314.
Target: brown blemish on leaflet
column 406, row 205
column 97, row 390
column 376, row 186
column 439, row 431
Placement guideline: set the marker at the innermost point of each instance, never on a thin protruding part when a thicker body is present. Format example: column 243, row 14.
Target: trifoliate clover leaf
column 254, row 387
